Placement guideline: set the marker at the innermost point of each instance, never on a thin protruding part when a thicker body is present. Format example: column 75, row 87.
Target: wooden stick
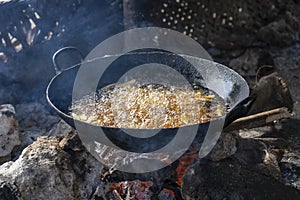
column 259, row 119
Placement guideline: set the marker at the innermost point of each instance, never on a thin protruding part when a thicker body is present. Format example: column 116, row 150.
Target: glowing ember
column 184, row 162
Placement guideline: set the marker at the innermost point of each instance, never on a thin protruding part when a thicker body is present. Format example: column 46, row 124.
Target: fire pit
column 256, row 156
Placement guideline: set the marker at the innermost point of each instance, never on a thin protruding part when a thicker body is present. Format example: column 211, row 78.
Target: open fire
column 43, row 158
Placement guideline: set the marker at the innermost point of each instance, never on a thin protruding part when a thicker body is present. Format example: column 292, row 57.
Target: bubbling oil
column 150, row 106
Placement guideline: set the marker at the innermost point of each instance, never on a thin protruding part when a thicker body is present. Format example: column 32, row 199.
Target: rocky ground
column 41, row 157
column 286, row 62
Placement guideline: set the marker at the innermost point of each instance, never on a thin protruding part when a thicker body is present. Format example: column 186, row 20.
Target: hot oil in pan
column 132, row 105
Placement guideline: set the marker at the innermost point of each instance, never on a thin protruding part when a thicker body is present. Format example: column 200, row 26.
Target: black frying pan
column 234, row 90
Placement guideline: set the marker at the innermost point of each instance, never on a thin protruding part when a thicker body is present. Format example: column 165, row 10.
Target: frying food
column 132, row 105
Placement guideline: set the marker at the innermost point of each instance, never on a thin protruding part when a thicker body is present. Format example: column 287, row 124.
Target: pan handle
column 57, row 68
column 240, row 110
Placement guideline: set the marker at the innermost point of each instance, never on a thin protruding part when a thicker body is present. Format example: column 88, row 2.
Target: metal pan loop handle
column 57, row 68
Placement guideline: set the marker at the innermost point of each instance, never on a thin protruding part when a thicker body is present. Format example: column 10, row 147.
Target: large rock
column 230, row 180
column 255, row 154
column 9, row 133
column 282, row 32
column 34, row 120
column 9, row 191
column 225, row 147
column 35, row 117
column 60, row 129
column 51, row 168
column 248, row 62
column 252, row 172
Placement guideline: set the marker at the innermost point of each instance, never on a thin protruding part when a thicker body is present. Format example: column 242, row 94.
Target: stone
column 35, row 116
column 34, row 120
column 287, row 63
column 278, row 143
column 248, row 62
column 254, row 132
column 100, row 192
column 9, row 191
column 60, row 129
column 228, row 179
column 53, row 168
column 9, row 133
column 252, row 170
column 255, row 154
column 225, row 147
column 250, row 152
column 166, row 194
column 280, row 33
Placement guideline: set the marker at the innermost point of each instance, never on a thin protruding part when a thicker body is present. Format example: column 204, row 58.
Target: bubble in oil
column 132, row 105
